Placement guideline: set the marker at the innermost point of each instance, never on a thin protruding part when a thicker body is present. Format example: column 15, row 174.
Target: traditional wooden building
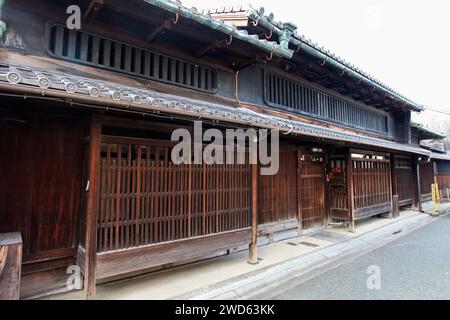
column 428, row 167
column 87, row 115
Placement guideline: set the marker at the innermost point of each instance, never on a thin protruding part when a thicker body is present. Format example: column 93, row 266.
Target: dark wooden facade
column 91, row 181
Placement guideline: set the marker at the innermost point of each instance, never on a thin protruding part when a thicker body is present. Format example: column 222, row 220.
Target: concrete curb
column 270, row 281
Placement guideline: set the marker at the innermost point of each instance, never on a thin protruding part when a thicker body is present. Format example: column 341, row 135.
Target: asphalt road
column 416, row 266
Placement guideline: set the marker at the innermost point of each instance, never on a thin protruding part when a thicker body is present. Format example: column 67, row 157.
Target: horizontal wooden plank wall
column 146, row 199
column 114, row 263
column 404, row 175
column 371, row 186
column 426, row 179
column 277, row 194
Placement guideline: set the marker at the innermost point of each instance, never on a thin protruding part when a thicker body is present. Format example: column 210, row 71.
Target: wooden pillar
column 92, row 207
column 349, row 183
column 393, row 175
column 418, row 189
column 394, row 189
column 299, row 205
column 10, row 265
column 253, row 257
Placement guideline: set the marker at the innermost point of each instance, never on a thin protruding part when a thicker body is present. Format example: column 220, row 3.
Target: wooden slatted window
column 312, row 102
column 90, row 49
column 146, row 199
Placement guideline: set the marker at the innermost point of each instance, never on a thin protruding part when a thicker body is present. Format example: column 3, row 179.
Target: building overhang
column 31, row 81
column 427, row 133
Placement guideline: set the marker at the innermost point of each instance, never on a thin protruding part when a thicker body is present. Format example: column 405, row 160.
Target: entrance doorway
column 311, row 191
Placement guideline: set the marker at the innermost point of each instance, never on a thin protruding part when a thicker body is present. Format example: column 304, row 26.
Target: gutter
column 261, row 19
column 192, row 14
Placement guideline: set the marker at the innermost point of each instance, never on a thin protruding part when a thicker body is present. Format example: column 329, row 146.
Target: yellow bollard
column 433, row 198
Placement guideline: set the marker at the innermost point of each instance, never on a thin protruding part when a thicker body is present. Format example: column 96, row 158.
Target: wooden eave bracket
column 93, row 9
column 216, row 45
column 166, row 25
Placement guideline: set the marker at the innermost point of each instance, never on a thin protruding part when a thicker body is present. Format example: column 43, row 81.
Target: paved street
column 416, row 266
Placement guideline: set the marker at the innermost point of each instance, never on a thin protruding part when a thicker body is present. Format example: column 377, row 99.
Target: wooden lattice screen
column 146, row 199
column 337, row 187
column 371, row 185
column 405, row 180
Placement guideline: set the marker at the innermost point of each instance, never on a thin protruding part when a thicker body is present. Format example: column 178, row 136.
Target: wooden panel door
column 40, row 183
column 277, row 194
column 311, row 191
column 404, row 179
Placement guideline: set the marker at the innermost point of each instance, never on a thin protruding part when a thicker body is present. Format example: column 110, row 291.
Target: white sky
column 405, row 44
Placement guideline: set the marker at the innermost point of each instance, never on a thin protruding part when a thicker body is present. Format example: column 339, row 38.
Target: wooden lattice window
column 91, row 49
column 146, row 199
column 284, row 93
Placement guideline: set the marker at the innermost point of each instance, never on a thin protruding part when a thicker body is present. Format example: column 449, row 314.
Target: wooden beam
column 253, row 256
column 349, row 183
column 92, row 207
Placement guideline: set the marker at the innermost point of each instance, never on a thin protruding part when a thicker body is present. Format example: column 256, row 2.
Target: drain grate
column 291, row 243
column 309, row 244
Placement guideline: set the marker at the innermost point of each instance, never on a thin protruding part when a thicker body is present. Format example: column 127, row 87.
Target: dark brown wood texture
column 113, row 263
column 311, row 188
column 39, row 183
column 371, row 185
column 426, row 179
column 404, row 176
column 10, row 265
column 337, row 187
column 443, row 180
column 92, row 205
column 146, row 199
column 277, row 194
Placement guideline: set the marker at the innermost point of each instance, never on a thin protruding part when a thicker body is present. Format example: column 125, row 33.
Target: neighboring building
column 86, row 118
column 438, row 120
column 431, row 140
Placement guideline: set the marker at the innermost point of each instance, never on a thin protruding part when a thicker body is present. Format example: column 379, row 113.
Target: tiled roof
column 440, row 156
column 305, row 44
column 193, row 14
column 428, row 131
column 21, row 78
